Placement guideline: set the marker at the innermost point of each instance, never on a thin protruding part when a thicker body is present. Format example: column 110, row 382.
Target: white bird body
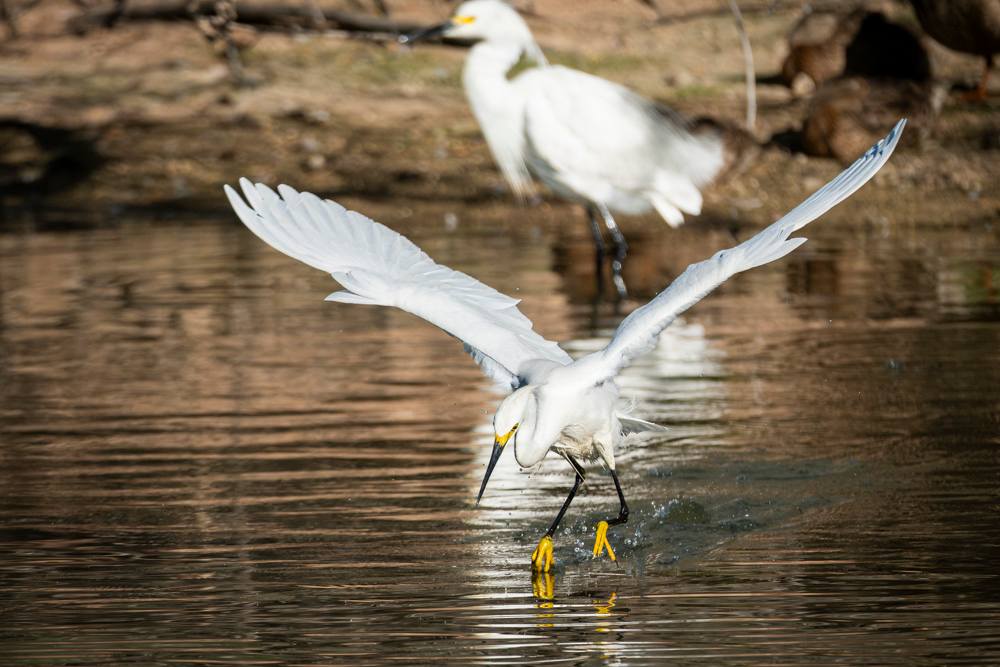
column 557, row 403
column 568, row 414
column 588, row 139
column 634, row 158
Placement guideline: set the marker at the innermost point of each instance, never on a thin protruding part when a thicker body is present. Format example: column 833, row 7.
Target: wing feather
column 637, row 334
column 378, row 266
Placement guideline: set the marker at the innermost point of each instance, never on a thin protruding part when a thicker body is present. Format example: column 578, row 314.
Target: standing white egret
column 589, row 140
column 556, row 403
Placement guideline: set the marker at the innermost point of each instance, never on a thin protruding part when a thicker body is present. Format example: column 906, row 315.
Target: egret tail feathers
column 667, row 211
column 673, row 196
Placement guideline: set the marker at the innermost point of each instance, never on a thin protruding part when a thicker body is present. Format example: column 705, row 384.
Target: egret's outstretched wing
column 637, row 334
column 377, row 266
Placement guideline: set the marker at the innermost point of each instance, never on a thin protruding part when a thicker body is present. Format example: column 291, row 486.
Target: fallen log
column 253, row 12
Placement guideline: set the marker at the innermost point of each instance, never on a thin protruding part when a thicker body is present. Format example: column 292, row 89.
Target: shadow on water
column 203, row 461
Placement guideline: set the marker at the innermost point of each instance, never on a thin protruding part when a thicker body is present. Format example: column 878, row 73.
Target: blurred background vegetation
column 150, row 105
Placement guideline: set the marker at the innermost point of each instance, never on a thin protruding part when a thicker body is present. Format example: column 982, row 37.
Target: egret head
column 480, row 20
column 511, row 413
column 491, row 20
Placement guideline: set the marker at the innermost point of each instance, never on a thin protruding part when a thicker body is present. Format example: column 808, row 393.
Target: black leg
column 541, row 558
column 599, row 247
column 580, row 477
column 623, row 509
column 621, row 250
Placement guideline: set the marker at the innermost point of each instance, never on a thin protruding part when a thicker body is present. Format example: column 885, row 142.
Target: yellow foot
column 601, row 541
column 541, row 558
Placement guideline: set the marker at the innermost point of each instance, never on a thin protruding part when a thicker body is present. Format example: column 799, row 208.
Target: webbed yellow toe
column 601, row 541
column 541, row 558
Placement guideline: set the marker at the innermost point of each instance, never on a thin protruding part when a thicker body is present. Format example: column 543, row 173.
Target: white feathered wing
column 638, row 332
column 378, row 266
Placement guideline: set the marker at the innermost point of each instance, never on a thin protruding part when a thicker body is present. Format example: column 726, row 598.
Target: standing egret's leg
column 541, row 558
column 601, row 541
column 599, row 248
column 621, row 250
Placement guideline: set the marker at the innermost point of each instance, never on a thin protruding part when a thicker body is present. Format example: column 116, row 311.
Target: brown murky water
column 203, row 462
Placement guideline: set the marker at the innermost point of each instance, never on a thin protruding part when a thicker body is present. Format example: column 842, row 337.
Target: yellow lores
column 502, row 439
column 463, row 20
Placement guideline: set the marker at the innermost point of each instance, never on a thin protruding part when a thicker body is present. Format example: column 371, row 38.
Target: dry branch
column 10, row 10
column 254, row 12
column 747, row 9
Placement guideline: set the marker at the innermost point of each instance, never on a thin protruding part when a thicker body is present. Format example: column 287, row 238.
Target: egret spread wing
column 637, row 334
column 377, row 266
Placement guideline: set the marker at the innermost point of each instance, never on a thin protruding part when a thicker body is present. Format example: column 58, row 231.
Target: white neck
column 499, row 107
column 485, row 75
column 536, row 434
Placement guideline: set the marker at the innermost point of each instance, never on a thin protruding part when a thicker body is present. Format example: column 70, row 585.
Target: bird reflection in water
column 604, row 608
column 543, row 587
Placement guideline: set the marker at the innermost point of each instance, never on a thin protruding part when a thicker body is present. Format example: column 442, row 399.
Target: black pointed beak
column 425, row 34
column 494, row 457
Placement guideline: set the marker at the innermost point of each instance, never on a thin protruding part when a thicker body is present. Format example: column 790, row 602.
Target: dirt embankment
column 151, row 121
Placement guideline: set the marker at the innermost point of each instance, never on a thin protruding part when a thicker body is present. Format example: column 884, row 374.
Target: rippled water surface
column 203, row 462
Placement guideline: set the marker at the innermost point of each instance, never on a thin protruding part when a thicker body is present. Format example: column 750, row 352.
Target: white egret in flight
column 556, row 403
column 589, row 140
